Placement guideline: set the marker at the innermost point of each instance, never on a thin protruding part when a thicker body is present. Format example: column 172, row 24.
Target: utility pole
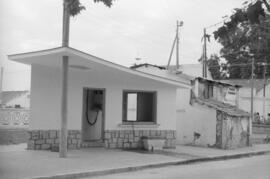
column 204, row 66
column 1, row 86
column 175, row 42
column 177, row 45
column 264, row 86
column 251, row 103
column 64, row 101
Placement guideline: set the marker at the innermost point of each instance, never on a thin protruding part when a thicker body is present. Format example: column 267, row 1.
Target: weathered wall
column 194, row 118
column 231, row 131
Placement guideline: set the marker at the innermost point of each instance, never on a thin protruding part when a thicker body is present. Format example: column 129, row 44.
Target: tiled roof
column 227, row 108
column 258, row 83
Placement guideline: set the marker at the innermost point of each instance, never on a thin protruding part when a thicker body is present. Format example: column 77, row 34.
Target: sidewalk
column 16, row 162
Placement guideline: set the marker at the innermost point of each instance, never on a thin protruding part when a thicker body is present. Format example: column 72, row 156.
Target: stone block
column 107, row 135
column 34, row 135
column 131, row 137
column 152, row 133
column 113, row 145
column 45, row 146
column 37, row 147
column 163, row 134
column 49, row 141
column 114, row 140
column 53, row 134
column 146, row 133
column 44, row 134
column 126, row 135
column 107, row 144
column 170, row 135
column 134, row 145
column 29, row 136
column 30, row 144
column 154, row 144
column 40, row 141
column 126, row 145
column 78, row 136
column 120, row 144
column 58, row 134
column 56, row 141
column 136, row 133
column 74, row 141
column 136, row 139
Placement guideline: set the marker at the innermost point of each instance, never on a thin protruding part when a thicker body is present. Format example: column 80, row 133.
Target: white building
column 207, row 114
column 99, row 106
column 261, row 103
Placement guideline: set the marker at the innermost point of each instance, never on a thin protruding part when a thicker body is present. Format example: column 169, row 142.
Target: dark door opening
column 93, row 114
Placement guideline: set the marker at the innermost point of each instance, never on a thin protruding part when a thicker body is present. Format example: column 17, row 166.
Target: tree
column 247, row 28
column 214, row 66
column 71, row 8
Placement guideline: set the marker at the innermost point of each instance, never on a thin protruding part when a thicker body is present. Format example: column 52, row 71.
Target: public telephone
column 94, row 100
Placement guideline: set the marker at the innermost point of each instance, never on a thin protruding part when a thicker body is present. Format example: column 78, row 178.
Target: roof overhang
column 84, row 61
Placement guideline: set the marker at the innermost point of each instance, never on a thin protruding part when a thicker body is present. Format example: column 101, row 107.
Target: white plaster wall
column 46, row 97
column 195, row 118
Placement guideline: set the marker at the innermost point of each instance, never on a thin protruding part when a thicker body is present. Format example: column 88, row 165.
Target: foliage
column 214, row 66
column 75, row 7
column 247, row 28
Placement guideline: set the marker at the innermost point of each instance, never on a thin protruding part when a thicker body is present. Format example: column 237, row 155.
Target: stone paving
column 17, row 162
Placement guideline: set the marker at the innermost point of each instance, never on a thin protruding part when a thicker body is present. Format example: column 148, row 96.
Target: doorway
column 93, row 115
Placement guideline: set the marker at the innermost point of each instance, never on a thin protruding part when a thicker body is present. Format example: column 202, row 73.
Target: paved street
column 254, row 167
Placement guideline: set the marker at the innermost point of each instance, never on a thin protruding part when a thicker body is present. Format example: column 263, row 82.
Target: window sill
column 138, row 125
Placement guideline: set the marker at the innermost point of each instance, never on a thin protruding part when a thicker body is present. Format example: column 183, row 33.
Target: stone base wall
column 132, row 139
column 48, row 139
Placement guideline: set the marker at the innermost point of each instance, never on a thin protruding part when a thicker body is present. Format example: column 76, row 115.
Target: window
column 139, row 106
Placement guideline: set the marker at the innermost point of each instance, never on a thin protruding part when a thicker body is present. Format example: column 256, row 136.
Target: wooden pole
column 251, row 103
column 1, row 85
column 170, row 58
column 64, row 101
column 204, row 54
column 177, row 46
column 264, row 86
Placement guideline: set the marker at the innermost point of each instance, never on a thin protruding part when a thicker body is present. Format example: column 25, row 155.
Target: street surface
column 256, row 167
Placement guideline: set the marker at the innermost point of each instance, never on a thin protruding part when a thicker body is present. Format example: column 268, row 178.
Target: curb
column 149, row 166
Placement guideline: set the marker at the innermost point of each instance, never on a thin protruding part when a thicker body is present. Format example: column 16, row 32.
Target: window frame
column 124, row 108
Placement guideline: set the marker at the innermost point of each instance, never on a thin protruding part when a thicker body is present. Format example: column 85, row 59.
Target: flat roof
column 81, row 60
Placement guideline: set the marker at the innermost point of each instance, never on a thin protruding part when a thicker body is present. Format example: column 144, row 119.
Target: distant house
column 108, row 104
column 16, row 99
column 193, row 70
column 261, row 104
column 207, row 114
column 15, row 88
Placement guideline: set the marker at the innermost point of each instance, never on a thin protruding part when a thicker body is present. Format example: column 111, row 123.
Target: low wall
column 13, row 136
column 47, row 139
column 13, row 117
column 260, row 129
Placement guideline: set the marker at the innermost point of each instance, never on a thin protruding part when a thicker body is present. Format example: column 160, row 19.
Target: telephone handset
column 96, row 106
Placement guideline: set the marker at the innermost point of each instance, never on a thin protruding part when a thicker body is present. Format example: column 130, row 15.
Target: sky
column 129, row 29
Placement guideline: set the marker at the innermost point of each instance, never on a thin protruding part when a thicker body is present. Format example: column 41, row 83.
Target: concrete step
column 88, row 144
